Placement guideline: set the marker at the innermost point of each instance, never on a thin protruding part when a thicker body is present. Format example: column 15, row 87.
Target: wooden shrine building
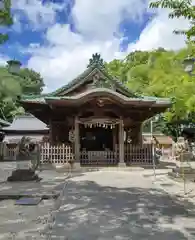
column 97, row 116
column 25, row 125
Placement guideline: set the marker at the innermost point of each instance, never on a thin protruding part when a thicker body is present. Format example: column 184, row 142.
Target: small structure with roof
column 91, row 115
column 159, row 139
column 25, row 125
column 3, row 123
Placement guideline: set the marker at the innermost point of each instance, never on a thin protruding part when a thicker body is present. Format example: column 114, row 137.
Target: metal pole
column 183, row 173
column 153, row 157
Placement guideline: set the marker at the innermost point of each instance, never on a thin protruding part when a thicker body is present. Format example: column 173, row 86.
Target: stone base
column 76, row 165
column 122, row 164
column 67, row 167
column 23, row 175
column 181, row 171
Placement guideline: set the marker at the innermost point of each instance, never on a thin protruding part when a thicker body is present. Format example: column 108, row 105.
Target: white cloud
column 66, row 54
column 100, row 18
column 159, row 33
column 59, row 64
column 39, row 15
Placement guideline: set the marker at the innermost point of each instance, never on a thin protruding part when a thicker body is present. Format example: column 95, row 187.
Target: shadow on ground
column 162, row 165
column 91, row 211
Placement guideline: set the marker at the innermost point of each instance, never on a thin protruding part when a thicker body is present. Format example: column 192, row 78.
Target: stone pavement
column 50, row 185
column 27, row 222
column 23, row 222
column 101, row 205
column 120, row 205
column 172, row 187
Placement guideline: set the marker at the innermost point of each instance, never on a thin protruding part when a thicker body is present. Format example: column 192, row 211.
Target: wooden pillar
column 50, row 131
column 139, row 133
column 114, row 138
column 136, row 134
column 76, row 142
column 121, row 143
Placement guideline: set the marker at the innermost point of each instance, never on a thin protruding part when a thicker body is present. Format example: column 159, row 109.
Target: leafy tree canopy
column 160, row 73
column 11, row 86
column 5, row 18
column 179, row 8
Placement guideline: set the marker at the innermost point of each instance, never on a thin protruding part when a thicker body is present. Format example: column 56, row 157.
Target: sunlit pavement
column 101, row 205
column 120, row 205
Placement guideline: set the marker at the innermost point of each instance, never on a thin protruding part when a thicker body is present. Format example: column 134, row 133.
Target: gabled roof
column 100, row 92
column 108, row 92
column 26, row 123
column 96, row 65
column 81, row 79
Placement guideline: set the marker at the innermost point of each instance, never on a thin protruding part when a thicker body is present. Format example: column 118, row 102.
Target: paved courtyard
column 100, row 206
column 120, row 205
column 27, row 222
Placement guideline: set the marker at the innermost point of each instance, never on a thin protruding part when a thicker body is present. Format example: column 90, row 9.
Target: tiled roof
column 11, row 138
column 26, row 123
column 161, row 138
column 44, row 100
column 109, row 91
column 95, row 66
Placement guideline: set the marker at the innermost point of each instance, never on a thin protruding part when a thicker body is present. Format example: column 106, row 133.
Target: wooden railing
column 98, row 158
column 7, row 153
column 56, row 154
column 61, row 154
column 138, row 154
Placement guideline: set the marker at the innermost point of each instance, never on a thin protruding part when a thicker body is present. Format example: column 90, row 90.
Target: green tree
column 31, row 82
column 118, row 69
column 160, row 73
column 5, row 18
column 12, row 85
column 179, row 8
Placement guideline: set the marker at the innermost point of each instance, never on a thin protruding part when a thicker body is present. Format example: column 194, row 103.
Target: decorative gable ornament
column 102, row 82
column 96, row 60
column 100, row 102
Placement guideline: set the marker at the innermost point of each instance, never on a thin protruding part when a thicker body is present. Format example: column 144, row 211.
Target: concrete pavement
column 120, row 205
column 99, row 205
column 27, row 222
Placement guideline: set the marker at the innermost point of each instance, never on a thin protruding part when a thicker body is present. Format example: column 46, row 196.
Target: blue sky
column 57, row 37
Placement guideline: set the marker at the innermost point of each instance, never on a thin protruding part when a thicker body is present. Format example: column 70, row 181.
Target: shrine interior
column 96, row 138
